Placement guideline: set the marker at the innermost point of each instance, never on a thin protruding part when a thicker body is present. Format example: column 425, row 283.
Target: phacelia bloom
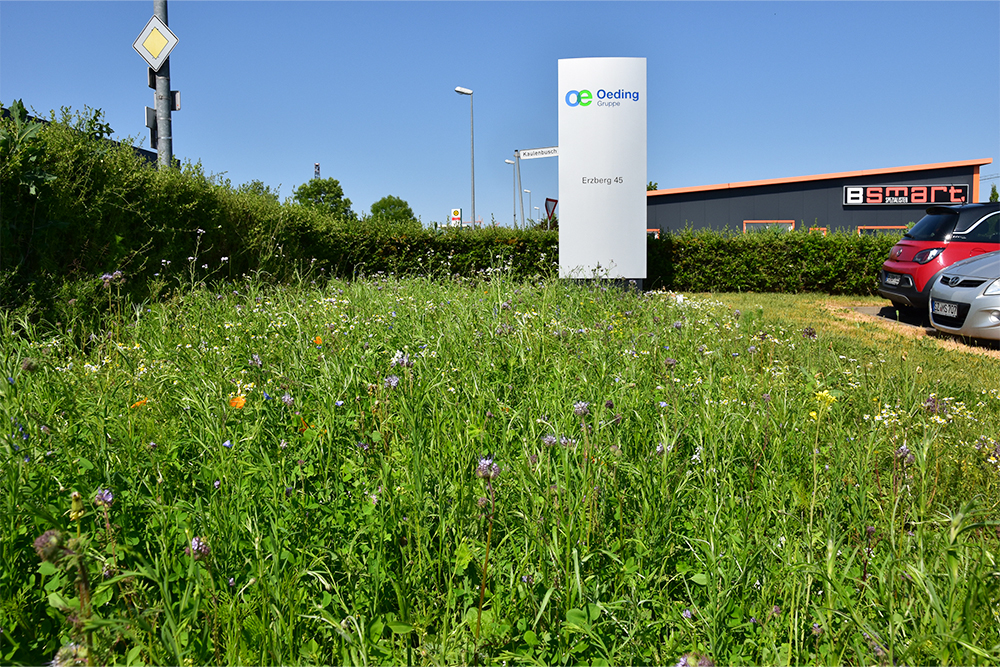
column 237, row 402
column 392, row 382
column 255, row 360
column 660, row 449
column 775, row 610
column 905, row 455
column 817, row 629
column 199, row 548
column 736, row 314
column 581, row 408
column 232, row 582
column 809, row 333
column 401, row 359
column 482, row 502
column 364, row 446
column 678, row 325
column 567, row 442
column 549, row 440
column 487, row 469
column 288, row 400
column 934, row 406
column 752, row 349
column 609, row 404
column 870, row 530
column 687, row 614
column 104, row 497
column 669, row 362
column 48, row 545
column 766, row 398
column 217, row 483
column 617, row 419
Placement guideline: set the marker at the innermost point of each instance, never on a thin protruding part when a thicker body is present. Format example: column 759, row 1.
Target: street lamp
column 536, row 211
column 472, row 145
column 529, row 199
column 514, row 172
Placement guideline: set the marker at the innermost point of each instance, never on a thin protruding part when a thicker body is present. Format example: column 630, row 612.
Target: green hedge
column 771, row 261
column 75, row 206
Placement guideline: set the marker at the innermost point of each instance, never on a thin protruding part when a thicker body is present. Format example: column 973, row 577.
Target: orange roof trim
column 823, row 177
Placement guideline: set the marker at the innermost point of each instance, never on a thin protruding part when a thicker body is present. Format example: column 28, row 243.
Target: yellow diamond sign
column 155, row 43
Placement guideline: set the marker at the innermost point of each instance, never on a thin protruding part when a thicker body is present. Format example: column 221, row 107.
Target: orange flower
column 237, row 402
column 138, row 403
column 318, row 340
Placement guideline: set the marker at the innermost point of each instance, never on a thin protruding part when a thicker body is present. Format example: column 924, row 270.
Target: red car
column 947, row 234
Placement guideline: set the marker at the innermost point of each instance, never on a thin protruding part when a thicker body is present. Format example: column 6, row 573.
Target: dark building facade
column 868, row 200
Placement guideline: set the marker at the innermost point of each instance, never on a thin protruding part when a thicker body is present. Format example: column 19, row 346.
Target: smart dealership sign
column 602, row 167
column 906, row 194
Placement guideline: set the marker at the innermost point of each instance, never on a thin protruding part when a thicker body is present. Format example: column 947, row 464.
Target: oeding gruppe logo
column 605, row 98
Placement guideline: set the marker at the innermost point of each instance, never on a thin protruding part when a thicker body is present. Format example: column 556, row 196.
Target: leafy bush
column 770, row 261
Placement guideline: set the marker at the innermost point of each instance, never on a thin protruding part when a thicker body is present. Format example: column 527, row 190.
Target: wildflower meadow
column 490, row 471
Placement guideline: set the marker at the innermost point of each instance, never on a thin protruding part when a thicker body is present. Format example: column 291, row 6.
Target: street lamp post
column 536, row 211
column 514, row 172
column 472, row 145
column 529, row 199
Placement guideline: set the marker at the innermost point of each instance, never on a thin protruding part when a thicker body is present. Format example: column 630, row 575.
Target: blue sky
column 736, row 91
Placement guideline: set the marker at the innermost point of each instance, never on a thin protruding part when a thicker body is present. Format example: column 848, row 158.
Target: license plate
column 892, row 279
column 944, row 308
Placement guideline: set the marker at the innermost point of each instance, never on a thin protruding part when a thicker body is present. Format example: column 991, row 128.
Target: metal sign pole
column 164, row 136
column 520, row 190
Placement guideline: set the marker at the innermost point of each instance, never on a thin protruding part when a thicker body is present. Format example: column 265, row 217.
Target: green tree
column 393, row 208
column 326, row 195
column 257, row 187
column 993, row 193
column 652, row 186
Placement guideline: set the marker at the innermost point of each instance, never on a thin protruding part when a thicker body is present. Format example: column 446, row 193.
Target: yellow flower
column 813, row 415
column 825, row 398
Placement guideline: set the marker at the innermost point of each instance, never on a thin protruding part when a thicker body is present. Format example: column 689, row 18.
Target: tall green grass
column 294, row 480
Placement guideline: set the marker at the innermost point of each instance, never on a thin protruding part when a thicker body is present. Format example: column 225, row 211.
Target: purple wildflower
column 549, row 440
column 104, row 497
column 669, row 362
column 687, row 614
column 255, row 360
column 217, row 484
column 487, row 468
column 809, row 333
column 392, row 382
column 609, row 404
column 581, row 408
column 227, row 444
column 288, row 400
column 678, row 325
column 199, row 548
column 48, row 545
column 905, row 455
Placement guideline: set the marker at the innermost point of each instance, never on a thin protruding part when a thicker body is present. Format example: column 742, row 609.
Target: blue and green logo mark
column 584, row 98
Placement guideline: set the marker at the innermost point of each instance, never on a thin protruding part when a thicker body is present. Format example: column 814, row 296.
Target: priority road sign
column 155, row 43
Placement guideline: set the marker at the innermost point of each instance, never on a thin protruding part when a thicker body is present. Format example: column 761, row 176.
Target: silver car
column 965, row 298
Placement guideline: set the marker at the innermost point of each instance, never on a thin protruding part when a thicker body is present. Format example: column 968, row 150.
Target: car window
column 933, row 227
column 984, row 230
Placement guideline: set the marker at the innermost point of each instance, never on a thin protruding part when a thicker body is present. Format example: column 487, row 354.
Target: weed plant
column 491, row 471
